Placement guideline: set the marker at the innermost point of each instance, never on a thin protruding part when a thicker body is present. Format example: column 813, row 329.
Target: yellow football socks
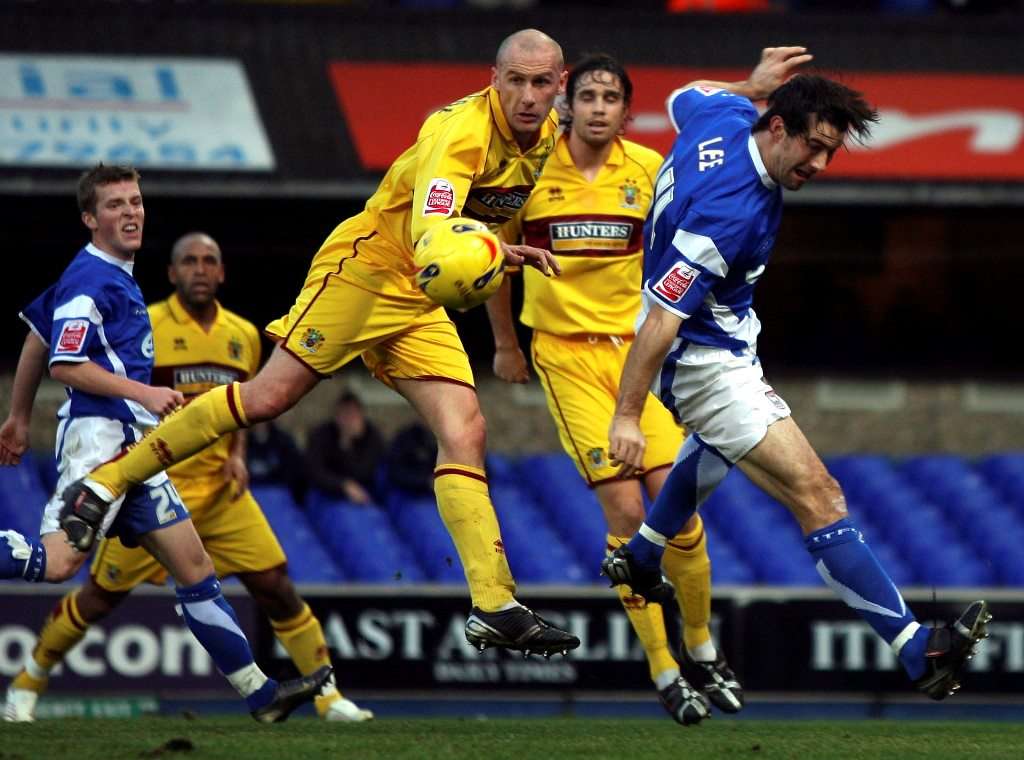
column 686, row 564
column 467, row 512
column 648, row 621
column 303, row 639
column 63, row 629
column 178, row 437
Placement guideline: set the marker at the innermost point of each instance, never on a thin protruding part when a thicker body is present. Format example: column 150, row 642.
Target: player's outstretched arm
column 777, row 64
column 27, row 376
column 92, row 378
column 626, row 443
column 509, row 361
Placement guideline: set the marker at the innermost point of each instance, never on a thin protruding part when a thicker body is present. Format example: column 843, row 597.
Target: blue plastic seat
column 501, row 470
column 308, row 560
column 420, row 527
column 570, row 507
column 727, row 567
column 22, row 497
column 1005, row 474
column 536, row 552
column 363, row 542
column 893, row 562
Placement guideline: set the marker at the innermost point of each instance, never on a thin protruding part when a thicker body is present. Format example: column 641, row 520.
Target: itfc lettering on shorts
column 72, row 336
column 440, row 198
column 675, row 282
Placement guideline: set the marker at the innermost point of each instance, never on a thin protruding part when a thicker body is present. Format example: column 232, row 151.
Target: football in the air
column 459, row 263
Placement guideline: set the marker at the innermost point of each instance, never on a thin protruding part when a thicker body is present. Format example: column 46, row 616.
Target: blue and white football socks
column 849, row 567
column 696, row 473
column 213, row 622
column 22, row 557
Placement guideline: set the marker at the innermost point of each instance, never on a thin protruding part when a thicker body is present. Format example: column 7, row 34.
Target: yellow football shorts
column 357, row 301
column 236, row 535
column 580, row 376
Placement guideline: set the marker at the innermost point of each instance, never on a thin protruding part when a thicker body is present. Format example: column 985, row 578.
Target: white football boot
column 346, row 711
column 20, row 706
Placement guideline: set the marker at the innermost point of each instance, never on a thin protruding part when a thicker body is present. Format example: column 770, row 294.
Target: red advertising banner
column 934, row 126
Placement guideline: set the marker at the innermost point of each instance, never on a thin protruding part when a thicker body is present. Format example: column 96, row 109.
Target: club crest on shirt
column 311, row 340
column 440, row 198
column 629, row 193
column 774, row 397
column 675, row 282
column 235, row 349
column 72, row 336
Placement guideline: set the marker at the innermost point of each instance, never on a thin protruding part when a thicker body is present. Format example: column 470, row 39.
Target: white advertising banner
column 161, row 113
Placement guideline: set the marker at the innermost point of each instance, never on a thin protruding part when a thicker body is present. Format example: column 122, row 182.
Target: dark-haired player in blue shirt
column 711, row 229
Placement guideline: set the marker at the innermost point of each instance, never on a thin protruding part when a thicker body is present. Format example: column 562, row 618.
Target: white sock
column 666, row 678
column 247, row 680
column 705, row 652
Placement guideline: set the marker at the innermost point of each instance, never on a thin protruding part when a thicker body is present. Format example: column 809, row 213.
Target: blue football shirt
column 712, row 224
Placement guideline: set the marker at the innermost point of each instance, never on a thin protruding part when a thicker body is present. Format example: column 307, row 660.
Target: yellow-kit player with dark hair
column 589, row 208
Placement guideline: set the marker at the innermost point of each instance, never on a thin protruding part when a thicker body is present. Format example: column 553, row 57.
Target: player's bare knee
column 463, row 435
column 820, row 502
column 835, row 507
column 274, row 592
column 625, row 517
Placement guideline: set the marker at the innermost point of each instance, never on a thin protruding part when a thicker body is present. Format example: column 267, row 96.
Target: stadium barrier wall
column 409, row 639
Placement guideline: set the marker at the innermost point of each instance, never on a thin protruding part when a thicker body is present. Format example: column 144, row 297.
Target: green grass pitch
column 238, row 738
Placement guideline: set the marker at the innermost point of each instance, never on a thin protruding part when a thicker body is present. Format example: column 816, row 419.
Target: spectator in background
column 275, row 457
column 411, row 458
column 342, row 454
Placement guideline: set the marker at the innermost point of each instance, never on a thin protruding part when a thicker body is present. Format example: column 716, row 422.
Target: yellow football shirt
column 465, row 162
column 191, row 360
column 596, row 231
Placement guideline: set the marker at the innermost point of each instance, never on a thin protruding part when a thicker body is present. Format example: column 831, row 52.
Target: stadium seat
column 536, row 553
column 1005, row 474
column 501, row 470
column 22, row 496
column 363, row 542
column 46, row 466
column 420, row 526
column 308, row 561
column 727, row 567
column 570, row 506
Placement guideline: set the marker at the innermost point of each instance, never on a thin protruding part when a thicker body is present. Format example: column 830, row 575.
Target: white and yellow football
column 459, row 263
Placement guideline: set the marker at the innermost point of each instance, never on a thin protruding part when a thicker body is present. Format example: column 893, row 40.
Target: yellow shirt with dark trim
column 596, row 231
column 191, row 360
column 466, row 147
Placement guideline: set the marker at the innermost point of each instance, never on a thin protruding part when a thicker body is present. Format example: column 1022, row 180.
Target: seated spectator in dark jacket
column 412, row 458
column 275, row 459
column 342, row 454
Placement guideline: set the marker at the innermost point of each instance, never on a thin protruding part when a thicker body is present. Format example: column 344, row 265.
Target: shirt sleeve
column 75, row 329
column 685, row 102
column 447, row 161
column 38, row 315
column 702, row 251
